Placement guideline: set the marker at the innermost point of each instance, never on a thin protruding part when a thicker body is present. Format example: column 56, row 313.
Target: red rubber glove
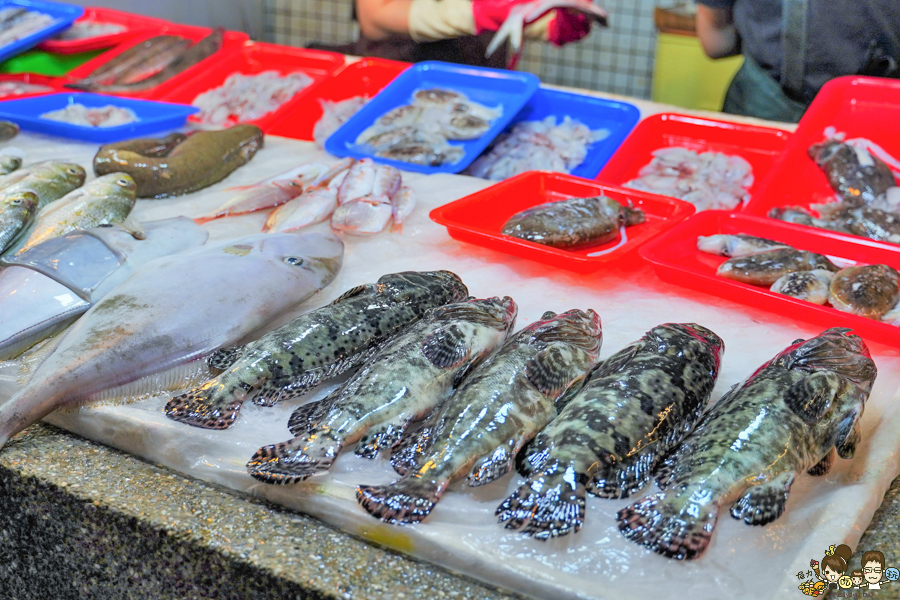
column 568, row 26
column 490, row 14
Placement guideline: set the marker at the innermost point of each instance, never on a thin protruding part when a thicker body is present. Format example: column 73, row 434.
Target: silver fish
column 865, row 290
column 152, row 330
column 573, row 223
column 765, row 268
column 364, row 216
column 17, row 211
column 50, row 180
column 409, row 376
column 318, row 345
column 735, row 245
column 45, row 289
column 614, row 427
column 496, row 411
column 359, row 181
column 9, row 162
column 786, row 418
column 811, row 286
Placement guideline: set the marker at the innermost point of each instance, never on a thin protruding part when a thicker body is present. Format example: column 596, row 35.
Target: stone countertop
column 81, row 520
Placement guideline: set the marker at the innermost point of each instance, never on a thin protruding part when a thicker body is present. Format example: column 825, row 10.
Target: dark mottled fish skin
column 16, row 212
column 811, row 286
column 8, row 130
column 496, row 411
column 318, row 345
column 865, row 221
column 765, row 268
column 408, row 377
column 865, row 290
column 131, row 58
column 573, row 223
column 855, row 182
column 786, row 418
column 614, row 428
column 736, row 245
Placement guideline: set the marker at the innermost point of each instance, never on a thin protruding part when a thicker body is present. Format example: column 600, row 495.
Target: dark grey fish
column 865, row 290
column 437, row 97
column 811, row 286
column 422, row 154
column 739, row 244
column 765, row 268
column 786, row 418
column 318, row 345
column 9, row 163
column 408, row 377
column 614, row 426
column 494, row 413
column 573, row 223
column 857, row 176
column 17, row 211
column 8, row 130
column 465, row 127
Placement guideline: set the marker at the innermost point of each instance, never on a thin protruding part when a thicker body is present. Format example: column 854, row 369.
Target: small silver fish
column 735, row 245
column 364, row 216
column 315, row 346
column 573, row 223
column 311, row 207
column 868, row 291
column 811, row 286
column 786, row 418
column 409, row 376
column 614, row 426
column 496, row 411
column 17, row 211
column 765, row 268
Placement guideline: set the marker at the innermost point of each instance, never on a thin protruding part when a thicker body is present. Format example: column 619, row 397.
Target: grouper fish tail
column 406, row 501
column 670, row 525
column 296, row 459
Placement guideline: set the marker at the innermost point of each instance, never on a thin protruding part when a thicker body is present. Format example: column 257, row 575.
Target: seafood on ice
column 335, row 114
column 92, row 116
column 409, row 376
column 787, row 418
column 614, row 427
column 20, row 88
column 418, row 133
column 316, row 346
column 574, row 223
column 17, row 23
column 497, row 409
column 708, row 180
column 244, row 98
column 536, row 146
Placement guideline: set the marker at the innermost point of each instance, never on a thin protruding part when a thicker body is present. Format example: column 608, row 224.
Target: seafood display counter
column 79, row 515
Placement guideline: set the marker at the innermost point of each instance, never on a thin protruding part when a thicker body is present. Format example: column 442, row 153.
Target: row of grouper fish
column 486, row 399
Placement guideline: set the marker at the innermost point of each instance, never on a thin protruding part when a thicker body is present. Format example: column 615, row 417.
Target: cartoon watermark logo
column 834, row 573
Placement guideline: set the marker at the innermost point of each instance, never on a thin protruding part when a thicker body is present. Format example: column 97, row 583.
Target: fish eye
column 105, row 225
column 72, row 171
column 17, row 201
column 293, row 260
column 122, row 182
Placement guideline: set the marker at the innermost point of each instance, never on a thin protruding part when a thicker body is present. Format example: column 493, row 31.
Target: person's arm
column 380, row 19
column 716, row 30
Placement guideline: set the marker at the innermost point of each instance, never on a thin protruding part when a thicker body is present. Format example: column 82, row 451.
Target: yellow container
column 684, row 76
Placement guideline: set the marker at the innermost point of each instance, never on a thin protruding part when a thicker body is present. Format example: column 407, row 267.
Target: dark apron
column 468, row 50
column 753, row 91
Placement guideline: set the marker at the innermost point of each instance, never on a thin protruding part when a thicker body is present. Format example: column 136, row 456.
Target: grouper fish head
column 575, row 327
column 441, row 287
column 690, row 339
column 835, row 350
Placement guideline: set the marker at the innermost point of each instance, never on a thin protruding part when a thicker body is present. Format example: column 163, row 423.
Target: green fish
column 16, row 212
column 106, row 200
column 50, row 180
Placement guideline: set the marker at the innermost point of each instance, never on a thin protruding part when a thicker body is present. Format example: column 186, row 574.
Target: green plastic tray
column 45, row 63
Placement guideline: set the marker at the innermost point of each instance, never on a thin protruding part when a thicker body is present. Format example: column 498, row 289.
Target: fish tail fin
column 296, row 459
column 406, row 501
column 205, row 219
column 667, row 526
column 620, row 479
column 547, row 505
column 208, row 406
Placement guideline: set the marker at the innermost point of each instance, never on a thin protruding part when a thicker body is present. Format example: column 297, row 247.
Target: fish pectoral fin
column 134, row 227
column 620, row 479
column 617, row 361
column 352, row 292
column 381, row 437
column 492, row 467
column 811, row 397
column 764, row 503
column 447, row 347
column 413, row 446
column 307, row 416
column 464, row 372
column 823, row 466
column 849, row 436
column 278, row 390
column 294, row 460
column 548, row 370
column 222, row 359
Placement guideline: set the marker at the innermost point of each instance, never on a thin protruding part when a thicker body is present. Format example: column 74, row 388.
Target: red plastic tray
column 479, row 217
column 759, row 146
column 252, row 58
column 363, row 78
column 136, row 24
column 865, row 107
column 677, row 260
column 55, row 83
column 230, row 40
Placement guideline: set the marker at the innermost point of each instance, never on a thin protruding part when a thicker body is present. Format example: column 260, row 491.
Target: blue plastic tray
column 619, row 118
column 65, row 15
column 152, row 116
column 508, row 90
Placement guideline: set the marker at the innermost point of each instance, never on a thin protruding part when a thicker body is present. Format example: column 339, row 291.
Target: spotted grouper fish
column 494, row 413
column 786, row 418
column 614, row 426
column 406, row 379
column 318, row 345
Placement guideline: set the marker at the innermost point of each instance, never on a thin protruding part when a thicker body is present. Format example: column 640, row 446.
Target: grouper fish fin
column 408, row 500
column 823, row 466
column 658, row 522
column 493, row 466
column 383, row 436
column 296, row 459
column 548, row 370
column 763, row 503
column 222, row 359
column 353, row 292
column 812, row 397
column 447, row 346
column 849, row 436
column 413, row 446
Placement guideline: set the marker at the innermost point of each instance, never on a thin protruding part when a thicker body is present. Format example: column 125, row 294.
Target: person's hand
column 490, row 14
column 559, row 27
